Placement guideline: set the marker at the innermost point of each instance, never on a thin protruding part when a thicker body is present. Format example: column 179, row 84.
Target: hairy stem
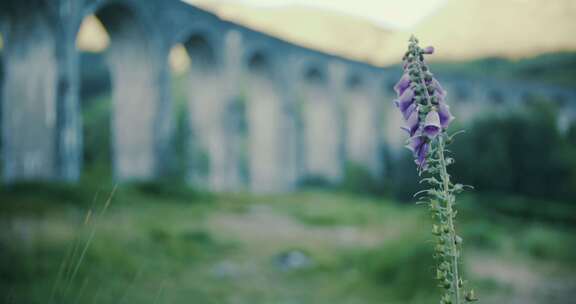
column 449, row 198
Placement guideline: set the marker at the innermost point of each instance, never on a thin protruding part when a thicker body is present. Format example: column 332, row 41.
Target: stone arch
column 268, row 125
column 211, row 158
column 321, row 117
column 95, row 93
column 141, row 108
column 315, row 74
column 235, row 117
column 259, row 63
column 202, row 51
column 393, row 140
column 354, row 81
column 363, row 118
column 40, row 121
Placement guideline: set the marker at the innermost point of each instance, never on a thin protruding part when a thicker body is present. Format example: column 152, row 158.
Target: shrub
column 401, row 265
column 522, row 153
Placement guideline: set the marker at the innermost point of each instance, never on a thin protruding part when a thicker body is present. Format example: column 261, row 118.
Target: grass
column 159, row 244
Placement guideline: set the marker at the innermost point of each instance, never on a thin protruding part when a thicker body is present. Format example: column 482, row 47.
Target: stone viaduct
column 263, row 113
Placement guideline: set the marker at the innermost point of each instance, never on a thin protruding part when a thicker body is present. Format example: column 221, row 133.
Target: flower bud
column 440, row 275
column 442, row 241
column 458, row 240
column 446, row 299
column 436, row 230
column 439, row 248
column 470, row 297
column 428, row 50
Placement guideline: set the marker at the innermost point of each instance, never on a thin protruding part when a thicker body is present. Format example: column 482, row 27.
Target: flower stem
column 449, row 198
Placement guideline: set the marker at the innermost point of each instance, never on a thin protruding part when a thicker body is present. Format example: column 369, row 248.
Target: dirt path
column 528, row 283
column 261, row 224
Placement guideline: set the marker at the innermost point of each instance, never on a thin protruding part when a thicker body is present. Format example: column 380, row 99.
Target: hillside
column 552, row 68
column 469, row 29
column 461, row 29
column 323, row 30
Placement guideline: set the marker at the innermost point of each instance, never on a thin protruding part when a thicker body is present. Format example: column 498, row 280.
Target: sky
column 486, row 28
column 400, row 14
column 389, row 14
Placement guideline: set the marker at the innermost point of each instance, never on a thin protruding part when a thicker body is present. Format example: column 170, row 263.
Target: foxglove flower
column 432, row 126
column 419, row 145
column 405, row 101
column 422, row 102
column 445, row 115
column 402, row 85
column 428, row 50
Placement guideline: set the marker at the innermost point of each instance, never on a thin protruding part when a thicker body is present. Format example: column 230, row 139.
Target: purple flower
column 421, row 100
column 419, row 145
column 413, row 122
column 432, row 124
column 415, row 142
column 411, row 109
column 405, row 100
column 402, row 84
column 444, row 114
column 422, row 103
column 428, row 50
column 421, row 156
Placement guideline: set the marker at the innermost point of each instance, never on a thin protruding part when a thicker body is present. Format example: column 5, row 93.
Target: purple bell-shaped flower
column 432, row 126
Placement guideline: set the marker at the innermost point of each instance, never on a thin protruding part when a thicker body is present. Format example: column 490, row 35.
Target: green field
column 167, row 244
